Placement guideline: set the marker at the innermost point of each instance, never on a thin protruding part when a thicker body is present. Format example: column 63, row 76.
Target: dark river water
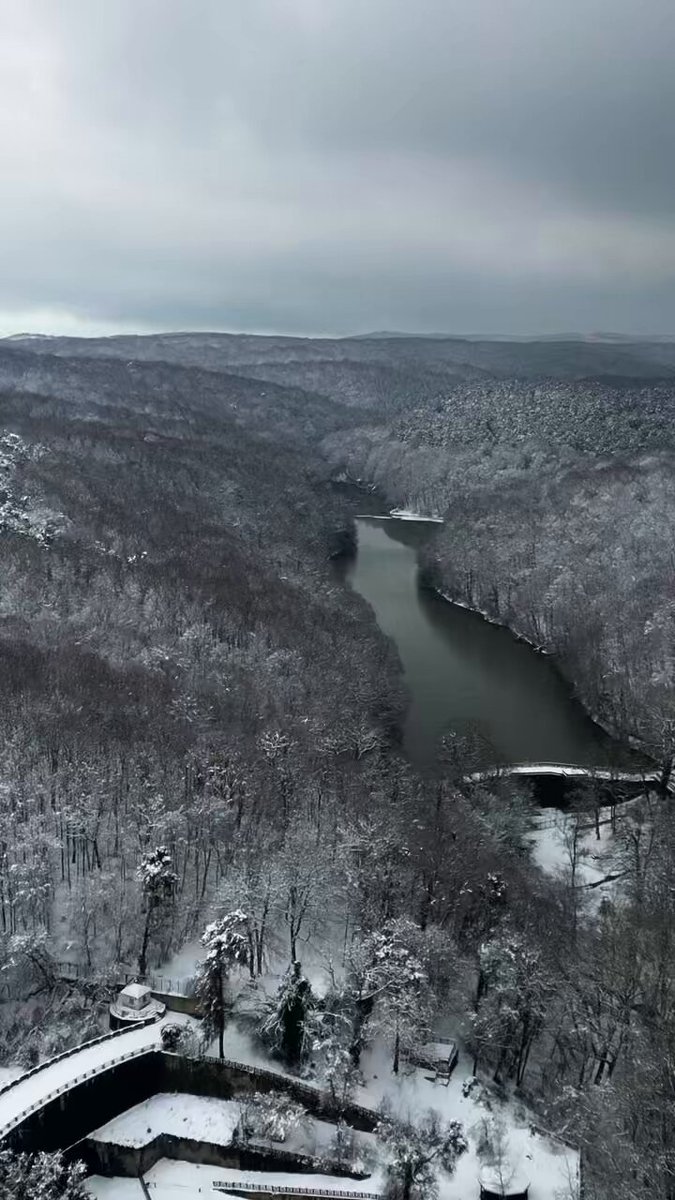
column 461, row 672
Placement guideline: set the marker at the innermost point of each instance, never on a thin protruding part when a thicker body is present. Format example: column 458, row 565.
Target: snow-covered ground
column 549, row 1166
column 599, row 870
column 100, row 1188
column 320, row 962
column 551, row 840
column 183, row 964
column 168, row 1179
column 210, row 1119
column 203, row 1118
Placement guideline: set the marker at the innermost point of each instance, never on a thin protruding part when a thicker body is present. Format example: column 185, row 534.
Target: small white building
column 503, row 1183
column 135, row 1003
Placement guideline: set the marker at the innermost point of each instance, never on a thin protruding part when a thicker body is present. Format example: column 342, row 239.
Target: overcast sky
column 329, row 166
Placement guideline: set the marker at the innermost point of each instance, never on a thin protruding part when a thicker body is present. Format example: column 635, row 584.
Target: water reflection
column 462, row 672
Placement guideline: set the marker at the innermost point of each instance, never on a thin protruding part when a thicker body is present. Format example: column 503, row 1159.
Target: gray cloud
column 330, row 165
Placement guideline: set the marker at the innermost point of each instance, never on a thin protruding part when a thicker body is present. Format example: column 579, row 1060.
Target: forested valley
column 187, row 687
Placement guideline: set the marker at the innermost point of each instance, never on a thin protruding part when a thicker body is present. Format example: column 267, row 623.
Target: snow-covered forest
column 201, row 725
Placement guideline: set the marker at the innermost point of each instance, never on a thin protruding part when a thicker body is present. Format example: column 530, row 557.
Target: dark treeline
column 184, row 682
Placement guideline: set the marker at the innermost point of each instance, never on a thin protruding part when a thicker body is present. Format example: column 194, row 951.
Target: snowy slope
column 202, row 1118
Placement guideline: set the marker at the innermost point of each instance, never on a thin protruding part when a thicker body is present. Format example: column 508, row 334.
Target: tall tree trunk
column 221, row 1015
column 143, row 954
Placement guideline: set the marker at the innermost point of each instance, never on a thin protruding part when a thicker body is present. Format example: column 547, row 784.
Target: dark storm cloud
column 328, row 165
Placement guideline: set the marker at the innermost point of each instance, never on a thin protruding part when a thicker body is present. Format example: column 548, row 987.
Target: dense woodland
column 199, row 719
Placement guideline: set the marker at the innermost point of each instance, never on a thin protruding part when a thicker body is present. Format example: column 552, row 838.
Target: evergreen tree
column 227, row 944
column 287, row 1025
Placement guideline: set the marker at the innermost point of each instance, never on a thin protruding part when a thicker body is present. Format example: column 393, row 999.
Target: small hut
column 439, row 1056
column 135, row 1003
column 504, row 1183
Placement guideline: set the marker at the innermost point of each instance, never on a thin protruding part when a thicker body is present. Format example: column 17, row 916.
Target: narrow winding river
column 461, row 672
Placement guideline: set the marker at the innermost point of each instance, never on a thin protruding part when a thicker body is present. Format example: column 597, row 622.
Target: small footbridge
column 553, row 782
column 543, row 770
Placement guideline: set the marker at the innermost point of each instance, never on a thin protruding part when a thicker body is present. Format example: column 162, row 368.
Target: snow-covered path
column 37, row 1087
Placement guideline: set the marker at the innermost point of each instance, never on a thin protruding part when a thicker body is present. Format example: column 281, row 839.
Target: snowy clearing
column 202, row 1118
column 552, row 838
column 550, row 1166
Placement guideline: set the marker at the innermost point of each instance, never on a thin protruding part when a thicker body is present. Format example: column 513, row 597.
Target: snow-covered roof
column 510, row 1181
column 438, row 1051
column 135, row 991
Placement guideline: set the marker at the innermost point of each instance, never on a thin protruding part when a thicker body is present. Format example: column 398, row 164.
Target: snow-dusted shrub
column 270, row 1116
column 415, row 1152
column 172, row 1035
column 40, row 1177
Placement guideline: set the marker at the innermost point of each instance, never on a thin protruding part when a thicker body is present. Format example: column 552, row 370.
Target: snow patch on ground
column 100, row 1188
column 552, row 843
column 202, row 1118
column 321, row 962
column 596, row 857
column 168, row 1179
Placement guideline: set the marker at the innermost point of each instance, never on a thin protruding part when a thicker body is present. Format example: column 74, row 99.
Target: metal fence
column 157, row 983
column 283, row 1189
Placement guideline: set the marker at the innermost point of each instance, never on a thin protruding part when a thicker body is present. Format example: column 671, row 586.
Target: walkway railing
column 76, row 1079
column 157, row 983
column 282, row 1189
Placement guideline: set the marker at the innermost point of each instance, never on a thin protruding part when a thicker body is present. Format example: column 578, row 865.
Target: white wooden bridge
column 564, row 771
